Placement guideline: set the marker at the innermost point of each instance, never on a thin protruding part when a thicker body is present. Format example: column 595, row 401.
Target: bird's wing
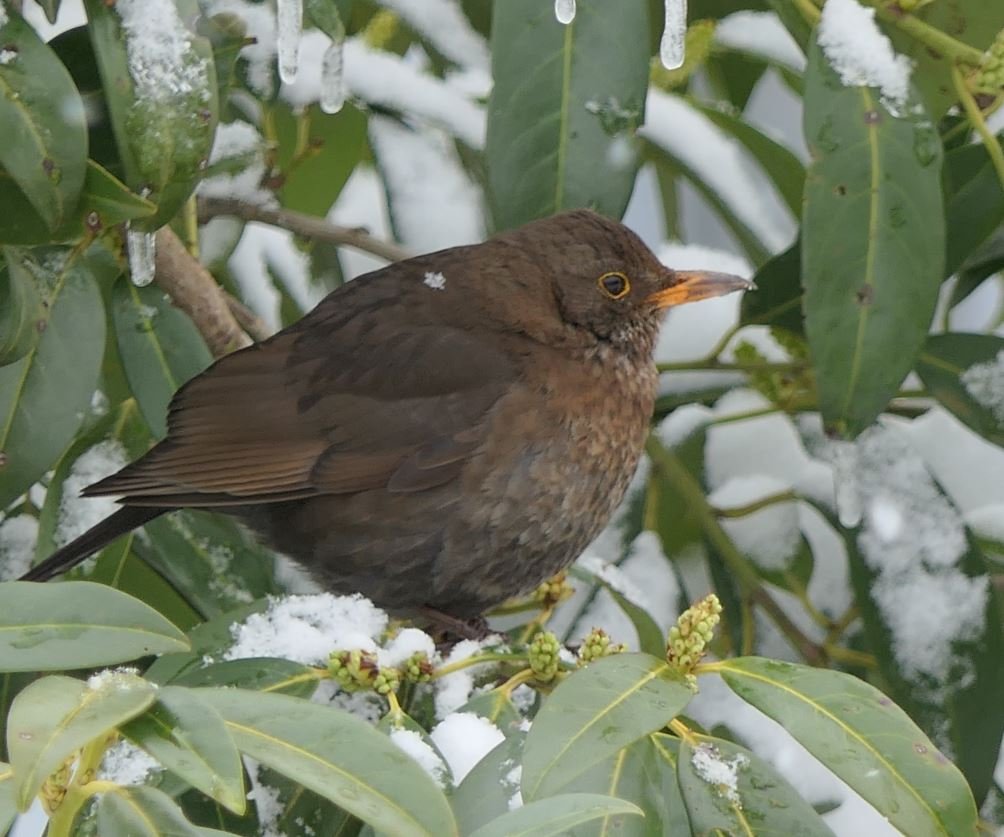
column 333, row 405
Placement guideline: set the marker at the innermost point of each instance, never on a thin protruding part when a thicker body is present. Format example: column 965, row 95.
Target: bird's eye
column 614, row 285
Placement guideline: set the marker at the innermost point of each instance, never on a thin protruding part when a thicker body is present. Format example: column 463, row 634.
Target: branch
column 305, row 225
column 194, row 290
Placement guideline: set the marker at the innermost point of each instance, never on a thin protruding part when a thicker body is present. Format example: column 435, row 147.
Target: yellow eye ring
column 615, row 285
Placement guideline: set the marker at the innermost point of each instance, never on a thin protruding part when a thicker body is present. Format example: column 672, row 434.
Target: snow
column 126, row 764
column 674, row 34
column 289, row 28
column 914, row 538
column 7, row 56
column 454, row 690
column 115, row 678
column 240, row 142
column 307, row 629
column 3, row 16
column 362, row 203
column 986, row 521
column 682, row 423
column 415, row 746
column 564, row 11
column 78, row 514
column 407, row 642
column 720, row 772
column 265, row 799
column 861, row 55
column 389, row 81
column 464, row 739
column 260, row 23
column 760, row 33
column 444, row 25
column 717, row 159
column 161, row 62
column 18, row 535
column 512, row 781
column 433, row 202
column 141, row 252
column 436, row 281
column 985, row 383
column 771, row 535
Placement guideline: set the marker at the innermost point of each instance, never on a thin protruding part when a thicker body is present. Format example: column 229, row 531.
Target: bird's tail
column 98, row 536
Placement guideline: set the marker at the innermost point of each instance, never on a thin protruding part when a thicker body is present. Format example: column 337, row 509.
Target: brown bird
column 439, row 435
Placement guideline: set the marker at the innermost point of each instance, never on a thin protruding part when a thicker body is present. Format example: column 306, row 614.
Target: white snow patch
column 234, row 141
column 427, row 758
column 721, row 772
column 260, row 23
column 3, row 16
column 126, row 764
column 18, row 536
column 760, row 33
column 266, row 800
column 436, row 281
column 384, row 79
column 78, row 514
column 407, row 642
column 362, row 203
column 454, row 690
column 512, row 780
column 682, row 423
column 986, row 521
column 444, row 25
column 985, row 383
column 771, row 535
column 464, row 739
column 307, row 629
column 719, row 160
column 861, row 54
column 7, row 56
column 433, row 201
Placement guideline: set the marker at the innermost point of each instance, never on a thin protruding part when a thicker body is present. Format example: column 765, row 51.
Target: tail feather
column 65, row 558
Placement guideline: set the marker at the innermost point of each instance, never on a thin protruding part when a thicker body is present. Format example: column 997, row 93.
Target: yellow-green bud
column 553, row 590
column 354, row 670
column 597, row 644
column 689, row 637
column 543, row 656
column 417, row 668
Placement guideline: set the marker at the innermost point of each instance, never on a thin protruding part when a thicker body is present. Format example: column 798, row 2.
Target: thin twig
column 975, row 116
column 305, row 225
column 249, row 320
column 194, row 290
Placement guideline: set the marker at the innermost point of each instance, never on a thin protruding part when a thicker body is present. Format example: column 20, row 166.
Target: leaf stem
column 930, row 36
column 688, row 487
column 477, row 659
column 756, row 505
column 975, row 116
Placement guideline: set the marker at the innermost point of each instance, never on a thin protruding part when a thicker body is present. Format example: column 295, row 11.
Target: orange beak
column 692, row 285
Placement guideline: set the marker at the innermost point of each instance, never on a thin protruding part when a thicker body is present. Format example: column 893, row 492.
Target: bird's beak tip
column 684, row 286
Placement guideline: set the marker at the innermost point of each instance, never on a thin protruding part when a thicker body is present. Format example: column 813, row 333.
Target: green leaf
column 863, row 737
column 317, row 153
column 56, row 716
column 45, row 134
column 782, row 166
column 595, row 712
column 188, row 737
column 634, row 774
column 667, row 749
column 485, row 792
column 974, row 202
column 872, row 244
column 964, row 372
column 163, row 114
column 140, row 811
column 77, row 624
column 8, row 807
column 338, row 756
column 778, row 297
column 973, row 22
column 20, row 309
column 761, row 802
column 561, row 122
column 556, row 815
column 160, row 348
column 260, row 674
column 210, row 559
column 56, row 379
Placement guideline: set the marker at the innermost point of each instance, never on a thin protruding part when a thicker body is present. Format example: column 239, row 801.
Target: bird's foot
column 454, row 628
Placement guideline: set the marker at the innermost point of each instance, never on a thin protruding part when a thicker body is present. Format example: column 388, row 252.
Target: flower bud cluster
column 689, row 637
column 596, row 645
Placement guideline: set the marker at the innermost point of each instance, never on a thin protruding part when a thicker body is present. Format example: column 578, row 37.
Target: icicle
column 564, row 10
column 141, row 251
column 844, row 457
column 671, row 50
column 332, row 79
column 289, row 26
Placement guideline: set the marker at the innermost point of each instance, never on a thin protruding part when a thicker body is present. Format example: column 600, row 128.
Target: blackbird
column 438, row 435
